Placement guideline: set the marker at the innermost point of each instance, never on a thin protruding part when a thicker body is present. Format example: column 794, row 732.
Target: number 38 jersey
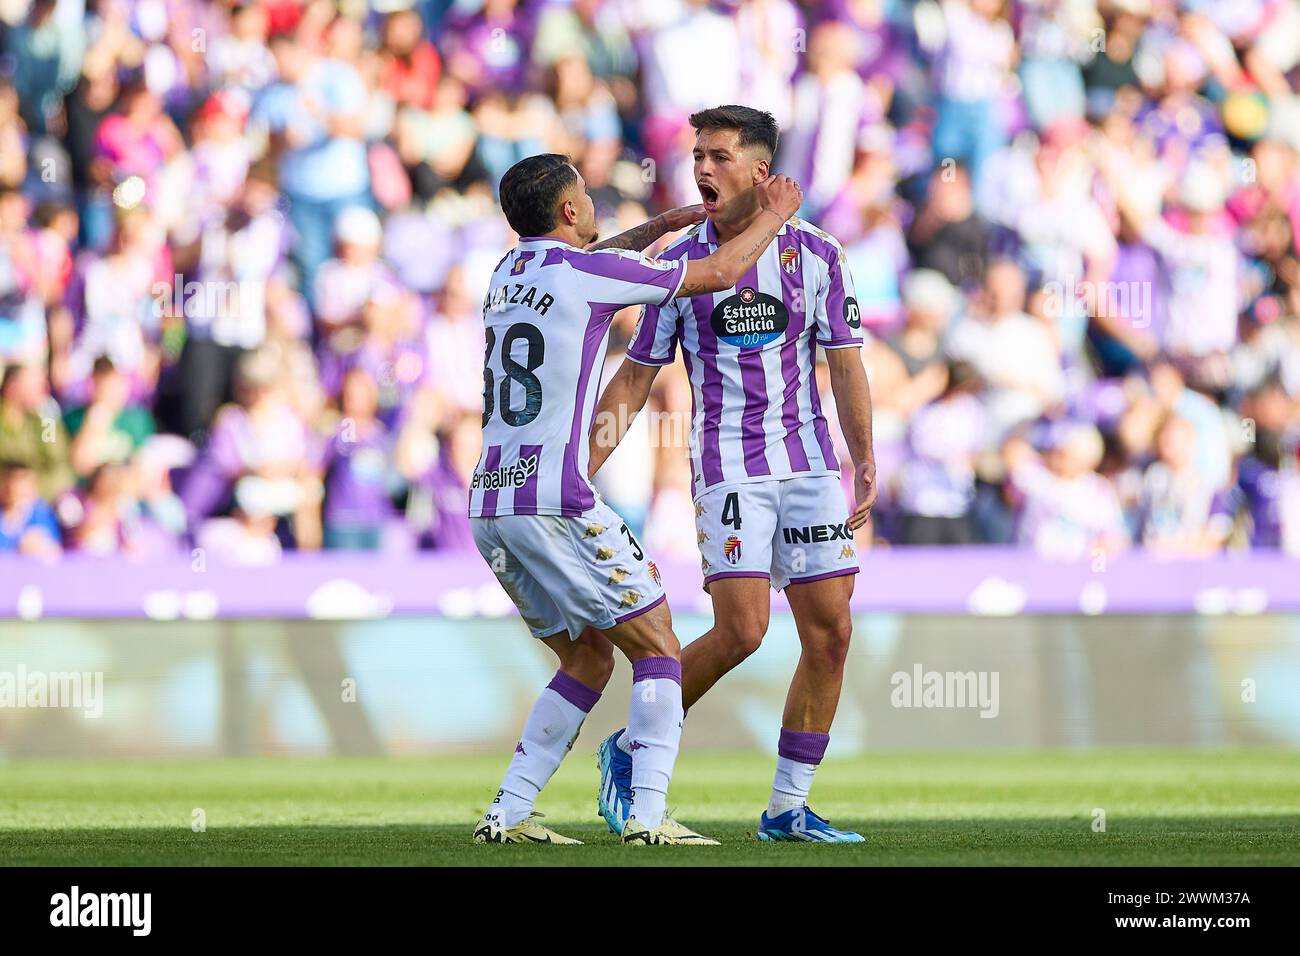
column 546, row 317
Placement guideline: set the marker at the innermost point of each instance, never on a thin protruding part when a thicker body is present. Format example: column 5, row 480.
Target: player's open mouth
column 709, row 195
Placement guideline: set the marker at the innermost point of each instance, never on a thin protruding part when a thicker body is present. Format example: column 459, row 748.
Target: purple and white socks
column 798, row 754
column 552, row 725
column 654, row 731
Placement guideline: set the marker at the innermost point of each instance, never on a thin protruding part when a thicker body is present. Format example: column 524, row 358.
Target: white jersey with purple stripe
column 751, row 356
column 546, row 318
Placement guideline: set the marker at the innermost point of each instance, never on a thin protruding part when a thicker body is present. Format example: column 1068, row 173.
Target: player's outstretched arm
column 624, row 397
column 853, row 403
column 779, row 198
column 639, row 237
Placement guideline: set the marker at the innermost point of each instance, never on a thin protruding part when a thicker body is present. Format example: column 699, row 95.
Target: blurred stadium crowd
column 244, row 244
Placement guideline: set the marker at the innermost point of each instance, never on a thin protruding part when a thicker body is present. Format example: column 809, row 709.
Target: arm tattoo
column 636, row 238
column 747, row 259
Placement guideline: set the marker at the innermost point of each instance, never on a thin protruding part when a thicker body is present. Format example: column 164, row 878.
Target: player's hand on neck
column 736, row 216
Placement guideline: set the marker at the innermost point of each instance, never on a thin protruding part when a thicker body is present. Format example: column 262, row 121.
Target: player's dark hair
column 754, row 126
column 531, row 191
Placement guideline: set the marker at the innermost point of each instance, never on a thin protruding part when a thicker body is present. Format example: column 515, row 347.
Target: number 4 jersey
column 547, row 317
column 751, row 354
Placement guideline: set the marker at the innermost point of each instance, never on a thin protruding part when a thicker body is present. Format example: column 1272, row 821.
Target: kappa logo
column 594, row 531
column 817, row 533
column 790, row 260
column 705, row 566
column 617, row 575
column 519, row 748
column 604, row 554
column 699, row 510
column 702, row 536
column 847, row 552
column 637, row 745
column 731, row 549
column 630, row 599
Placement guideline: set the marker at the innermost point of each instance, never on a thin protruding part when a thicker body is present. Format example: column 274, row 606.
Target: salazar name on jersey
column 546, row 320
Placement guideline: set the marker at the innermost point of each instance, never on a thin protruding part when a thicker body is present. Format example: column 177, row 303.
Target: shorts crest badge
column 731, row 549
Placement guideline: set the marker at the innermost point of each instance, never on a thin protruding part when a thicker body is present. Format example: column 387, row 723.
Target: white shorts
column 789, row 530
column 569, row 573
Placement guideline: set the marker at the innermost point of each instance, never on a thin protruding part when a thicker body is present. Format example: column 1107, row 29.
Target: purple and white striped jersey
column 546, row 319
column 751, row 356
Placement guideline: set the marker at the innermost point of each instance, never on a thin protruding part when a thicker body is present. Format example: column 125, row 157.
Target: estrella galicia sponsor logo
column 749, row 319
column 817, row 533
column 852, row 314
column 507, row 476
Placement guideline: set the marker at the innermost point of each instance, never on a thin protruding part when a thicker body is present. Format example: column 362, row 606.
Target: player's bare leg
column 589, row 659
column 740, row 619
column 654, row 725
column 821, row 613
column 741, row 608
column 548, row 735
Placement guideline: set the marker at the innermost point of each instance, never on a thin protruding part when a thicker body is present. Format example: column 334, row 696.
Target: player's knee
column 590, row 660
column 830, row 645
column 743, row 636
column 598, row 662
column 649, row 635
column 665, row 644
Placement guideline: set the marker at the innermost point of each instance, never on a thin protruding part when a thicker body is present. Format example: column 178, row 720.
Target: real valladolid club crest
column 731, row 549
column 790, row 260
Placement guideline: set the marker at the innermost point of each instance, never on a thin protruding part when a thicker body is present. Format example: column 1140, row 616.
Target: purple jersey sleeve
column 655, row 339
column 621, row 277
column 839, row 321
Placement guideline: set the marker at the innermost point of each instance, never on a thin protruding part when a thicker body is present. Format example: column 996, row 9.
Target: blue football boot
column 614, row 799
column 802, row 825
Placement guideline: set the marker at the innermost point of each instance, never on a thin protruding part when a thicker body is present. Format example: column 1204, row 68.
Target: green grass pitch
column 1161, row 808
